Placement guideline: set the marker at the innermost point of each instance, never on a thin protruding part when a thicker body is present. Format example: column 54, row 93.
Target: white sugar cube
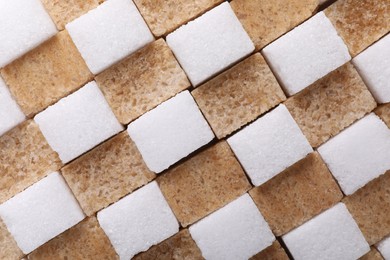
column 333, row 234
column 109, row 33
column 210, row 43
column 384, row 248
column 41, row 212
column 236, row 231
column 269, row 145
column 78, row 122
column 374, row 66
column 138, row 221
column 358, row 154
column 10, row 113
column 24, row 24
column 306, row 54
column 170, row 132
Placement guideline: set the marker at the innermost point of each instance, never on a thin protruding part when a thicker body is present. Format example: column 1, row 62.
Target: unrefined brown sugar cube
column 142, row 81
column 107, row 173
column 9, row 248
column 239, row 95
column 384, row 113
column 273, row 252
column 25, row 158
column 203, row 183
column 46, row 74
column 331, row 104
column 297, row 194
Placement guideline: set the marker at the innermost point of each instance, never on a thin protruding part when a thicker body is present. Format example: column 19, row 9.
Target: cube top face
column 78, row 122
column 269, row 145
column 41, row 212
column 10, row 112
column 24, row 24
column 114, row 30
column 138, row 221
column 306, row 54
column 210, row 43
column 331, row 235
column 358, row 154
column 384, row 247
column 374, row 66
column 240, row 224
column 170, row 132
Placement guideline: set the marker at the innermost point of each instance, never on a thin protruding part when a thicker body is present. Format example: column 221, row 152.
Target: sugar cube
column 78, row 122
column 384, row 247
column 109, row 33
column 358, row 154
column 306, row 54
column 10, row 112
column 170, row 132
column 331, row 235
column 210, row 43
column 41, row 212
column 373, row 65
column 236, row 231
column 138, row 221
column 269, row 145
column 24, row 24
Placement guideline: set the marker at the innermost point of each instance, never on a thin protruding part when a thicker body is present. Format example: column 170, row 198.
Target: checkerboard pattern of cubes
column 207, row 129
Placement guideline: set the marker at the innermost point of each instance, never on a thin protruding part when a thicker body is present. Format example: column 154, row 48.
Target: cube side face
column 306, row 54
column 41, row 212
column 114, row 29
column 374, row 66
column 225, row 45
column 138, row 221
column 170, row 132
column 239, row 223
column 269, row 145
column 21, row 20
column 67, row 125
column 331, row 235
column 10, row 112
column 368, row 141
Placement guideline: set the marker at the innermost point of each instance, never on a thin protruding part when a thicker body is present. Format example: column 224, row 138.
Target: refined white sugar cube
column 384, row 248
column 41, row 212
column 210, row 43
column 170, row 132
column 78, row 122
column 138, row 221
column 374, row 66
column 269, row 145
column 236, row 231
column 10, row 113
column 358, row 154
column 333, row 234
column 109, row 33
column 24, row 24
column 306, row 54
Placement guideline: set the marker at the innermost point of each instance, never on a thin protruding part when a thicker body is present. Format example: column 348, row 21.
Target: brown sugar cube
column 370, row 207
column 265, row 20
column 107, row 173
column 239, row 95
column 372, row 255
column 46, row 74
column 65, row 11
column 273, row 252
column 360, row 23
column 297, row 194
column 179, row 246
column 142, row 81
column 9, row 250
column 163, row 16
column 204, row 183
column 384, row 113
column 331, row 104
column 86, row 240
column 25, row 158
